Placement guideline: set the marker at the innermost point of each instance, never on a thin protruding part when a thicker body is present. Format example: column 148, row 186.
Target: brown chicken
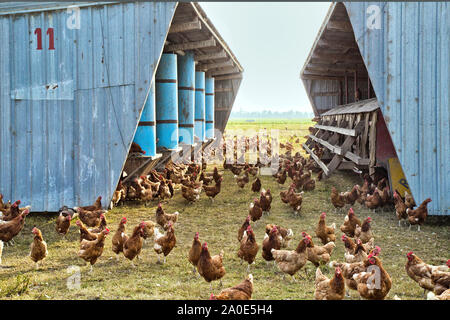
column 421, row 272
column 364, row 232
column 290, row 261
column 350, row 223
column 90, row 218
column 163, row 218
column 164, row 243
column 191, row 194
column 323, row 232
column 329, row 289
column 400, row 208
column 441, row 280
column 90, row 251
column 213, row 191
column 63, row 223
column 118, row 238
column 286, row 234
column 242, row 181
column 256, row 185
column 351, row 196
column 374, row 201
column 418, row 215
column 255, row 210
column 95, row 207
column 243, row 228
column 309, row 184
column 242, row 291
column 284, row 195
column 38, row 247
column 295, row 201
column 375, row 283
column 149, row 229
column 194, row 252
column 271, row 241
column 409, row 201
column 281, row 178
column 249, row 247
column 318, row 255
column 265, row 200
column 85, row 234
column 132, row 246
column 358, row 254
column 9, row 229
column 135, row 148
column 210, row 268
column 337, row 199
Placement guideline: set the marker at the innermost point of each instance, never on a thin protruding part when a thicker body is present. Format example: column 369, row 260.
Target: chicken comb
column 409, row 254
column 344, row 237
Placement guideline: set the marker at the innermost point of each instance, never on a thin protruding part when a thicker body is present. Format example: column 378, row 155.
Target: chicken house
column 81, row 81
column 374, row 110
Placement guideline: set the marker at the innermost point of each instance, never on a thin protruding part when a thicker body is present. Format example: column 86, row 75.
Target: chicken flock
column 360, row 269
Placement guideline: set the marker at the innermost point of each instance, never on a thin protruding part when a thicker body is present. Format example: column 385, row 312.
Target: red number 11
column 50, row 33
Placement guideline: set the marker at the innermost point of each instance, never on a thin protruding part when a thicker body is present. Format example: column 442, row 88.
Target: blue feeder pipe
column 167, row 102
column 209, row 108
column 200, row 105
column 186, row 97
column 146, row 131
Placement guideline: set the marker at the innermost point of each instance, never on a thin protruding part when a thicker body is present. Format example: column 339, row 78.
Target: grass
column 217, row 223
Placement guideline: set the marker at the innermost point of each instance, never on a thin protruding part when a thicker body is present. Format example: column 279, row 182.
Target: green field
column 217, row 223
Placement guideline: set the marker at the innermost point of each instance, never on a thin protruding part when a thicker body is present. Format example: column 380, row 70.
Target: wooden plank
column 347, row 132
column 327, row 145
column 316, row 159
column 339, row 25
column 190, row 45
column 186, row 26
column 229, row 77
column 223, row 71
column 210, row 56
column 222, row 90
column 216, row 65
column 372, row 143
column 356, row 159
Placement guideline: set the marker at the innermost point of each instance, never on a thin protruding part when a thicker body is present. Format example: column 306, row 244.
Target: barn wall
column 408, row 63
column 68, row 116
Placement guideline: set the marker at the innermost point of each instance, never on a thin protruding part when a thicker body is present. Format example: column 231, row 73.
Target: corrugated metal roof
column 355, row 107
column 59, row 148
column 408, row 60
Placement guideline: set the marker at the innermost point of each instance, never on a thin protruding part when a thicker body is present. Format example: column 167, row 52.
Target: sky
column 271, row 41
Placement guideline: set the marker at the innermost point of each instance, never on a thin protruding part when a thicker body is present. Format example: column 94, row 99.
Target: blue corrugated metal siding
column 408, row 61
column 69, row 147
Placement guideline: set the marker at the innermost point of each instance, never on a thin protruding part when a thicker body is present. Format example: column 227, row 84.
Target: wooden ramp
column 348, row 134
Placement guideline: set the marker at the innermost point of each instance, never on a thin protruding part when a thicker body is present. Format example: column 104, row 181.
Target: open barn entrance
column 350, row 133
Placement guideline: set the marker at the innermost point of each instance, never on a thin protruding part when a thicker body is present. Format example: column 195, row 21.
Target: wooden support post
column 346, row 89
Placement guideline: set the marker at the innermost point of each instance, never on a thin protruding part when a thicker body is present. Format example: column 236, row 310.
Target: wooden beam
column 337, row 57
column 191, row 45
column 222, row 109
column 210, row 56
column 223, row 71
column 223, row 89
column 347, row 132
column 325, row 94
column 316, row 159
column 337, row 43
column 187, row 26
column 229, row 77
column 339, row 25
column 320, row 77
column 217, row 65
